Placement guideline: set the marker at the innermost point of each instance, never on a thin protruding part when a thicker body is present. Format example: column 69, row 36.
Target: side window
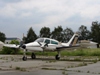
column 47, row 41
column 54, row 42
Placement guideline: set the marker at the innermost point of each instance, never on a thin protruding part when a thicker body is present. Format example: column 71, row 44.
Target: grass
column 88, row 71
column 49, row 68
column 20, row 69
column 78, row 52
column 82, row 52
column 92, row 55
column 82, row 64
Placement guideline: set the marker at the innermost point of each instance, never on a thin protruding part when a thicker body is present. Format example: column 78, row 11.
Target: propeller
column 46, row 45
column 43, row 45
column 22, row 45
column 39, row 43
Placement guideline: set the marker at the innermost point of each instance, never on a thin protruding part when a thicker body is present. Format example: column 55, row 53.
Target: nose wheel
column 24, row 58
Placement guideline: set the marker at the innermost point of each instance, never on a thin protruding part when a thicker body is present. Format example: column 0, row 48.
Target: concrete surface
column 13, row 65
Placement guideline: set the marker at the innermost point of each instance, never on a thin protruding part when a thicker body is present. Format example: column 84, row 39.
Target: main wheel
column 57, row 57
column 33, row 56
column 24, row 58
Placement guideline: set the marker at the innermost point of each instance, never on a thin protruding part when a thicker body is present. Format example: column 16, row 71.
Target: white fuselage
column 35, row 46
column 46, row 44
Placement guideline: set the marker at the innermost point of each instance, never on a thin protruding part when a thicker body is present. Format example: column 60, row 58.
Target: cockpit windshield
column 40, row 40
column 48, row 41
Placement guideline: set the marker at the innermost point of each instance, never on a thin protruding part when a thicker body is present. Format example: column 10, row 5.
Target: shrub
column 7, row 50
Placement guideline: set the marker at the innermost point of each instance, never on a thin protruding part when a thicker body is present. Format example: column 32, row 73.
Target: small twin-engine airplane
column 46, row 44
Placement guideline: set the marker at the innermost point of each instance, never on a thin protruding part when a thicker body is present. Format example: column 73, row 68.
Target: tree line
column 63, row 35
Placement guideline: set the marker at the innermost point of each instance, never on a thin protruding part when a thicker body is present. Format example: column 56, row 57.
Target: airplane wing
column 11, row 45
column 8, row 45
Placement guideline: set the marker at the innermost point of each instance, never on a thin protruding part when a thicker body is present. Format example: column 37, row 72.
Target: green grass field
column 82, row 52
column 78, row 52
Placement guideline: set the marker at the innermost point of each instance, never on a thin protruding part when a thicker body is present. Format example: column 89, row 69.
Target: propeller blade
column 21, row 44
column 46, row 45
column 39, row 43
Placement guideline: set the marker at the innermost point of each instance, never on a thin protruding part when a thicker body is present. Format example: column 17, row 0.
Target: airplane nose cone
column 23, row 46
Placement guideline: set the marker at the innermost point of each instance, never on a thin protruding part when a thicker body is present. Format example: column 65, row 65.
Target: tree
column 95, row 31
column 45, row 32
column 67, row 34
column 31, row 36
column 14, row 42
column 57, row 33
column 84, row 33
column 2, row 37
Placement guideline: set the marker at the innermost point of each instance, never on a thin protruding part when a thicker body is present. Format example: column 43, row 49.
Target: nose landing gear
column 24, row 57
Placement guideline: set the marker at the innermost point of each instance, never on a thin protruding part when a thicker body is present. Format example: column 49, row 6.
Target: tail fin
column 73, row 41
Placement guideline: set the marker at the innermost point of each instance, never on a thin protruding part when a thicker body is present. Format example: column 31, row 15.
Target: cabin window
column 40, row 40
column 54, row 42
column 47, row 41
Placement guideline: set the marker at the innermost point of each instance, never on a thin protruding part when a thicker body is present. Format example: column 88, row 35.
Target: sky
column 17, row 16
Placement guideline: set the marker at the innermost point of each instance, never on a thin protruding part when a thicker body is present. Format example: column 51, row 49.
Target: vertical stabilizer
column 73, row 41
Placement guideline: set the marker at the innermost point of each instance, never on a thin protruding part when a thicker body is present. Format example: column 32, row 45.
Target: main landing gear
column 33, row 56
column 57, row 57
column 25, row 57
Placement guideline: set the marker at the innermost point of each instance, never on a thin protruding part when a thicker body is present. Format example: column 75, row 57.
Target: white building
column 93, row 44
column 89, row 44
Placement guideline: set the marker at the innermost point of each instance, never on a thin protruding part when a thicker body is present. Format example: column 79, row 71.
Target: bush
column 7, row 50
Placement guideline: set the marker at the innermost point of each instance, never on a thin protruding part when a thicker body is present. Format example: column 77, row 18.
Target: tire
column 33, row 56
column 24, row 58
column 57, row 57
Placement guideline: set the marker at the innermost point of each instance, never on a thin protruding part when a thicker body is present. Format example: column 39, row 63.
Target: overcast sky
column 17, row 16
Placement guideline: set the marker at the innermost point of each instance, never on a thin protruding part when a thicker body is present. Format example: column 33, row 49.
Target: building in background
column 89, row 44
column 8, row 40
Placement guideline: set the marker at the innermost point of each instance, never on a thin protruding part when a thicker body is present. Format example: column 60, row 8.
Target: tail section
column 73, row 41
